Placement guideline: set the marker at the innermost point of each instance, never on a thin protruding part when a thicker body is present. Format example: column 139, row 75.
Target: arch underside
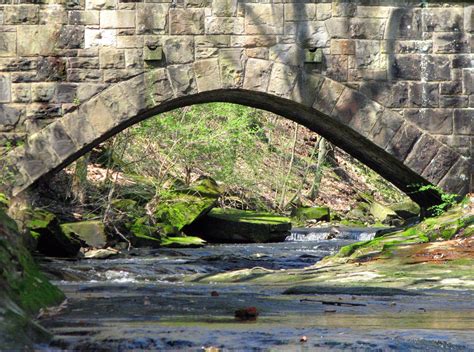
column 380, row 138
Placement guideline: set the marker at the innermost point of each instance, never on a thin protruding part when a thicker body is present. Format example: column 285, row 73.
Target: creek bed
column 146, row 300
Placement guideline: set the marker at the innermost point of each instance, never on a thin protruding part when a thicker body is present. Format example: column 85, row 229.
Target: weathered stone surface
column 464, row 121
column 151, row 17
column 179, row 50
column 5, row 89
column 424, row 95
column 111, row 58
column 439, row 166
column 391, row 95
column 402, row 142
column 207, row 75
column 439, row 121
column 182, row 79
column 44, row 43
column 451, row 43
column 422, row 153
column 232, row 63
column 443, row 19
column 186, row 21
column 9, row 117
column 385, row 128
column 257, row 75
column 327, row 96
column 264, row 18
column 355, row 110
column 282, row 80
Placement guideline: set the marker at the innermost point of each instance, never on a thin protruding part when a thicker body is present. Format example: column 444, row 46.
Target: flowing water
column 142, row 301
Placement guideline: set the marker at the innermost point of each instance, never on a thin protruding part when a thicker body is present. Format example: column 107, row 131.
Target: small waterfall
column 328, row 233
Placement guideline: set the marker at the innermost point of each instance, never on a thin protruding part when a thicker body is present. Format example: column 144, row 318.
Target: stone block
column 9, row 116
column 117, row 19
column 94, row 37
column 337, row 67
column 327, row 96
column 178, row 50
column 111, row 58
column 453, row 101
column 290, row 54
column 21, row 93
column 253, row 41
column 257, row 75
column 406, row 67
column 101, row 4
column 186, row 21
column 82, row 75
column 422, row 153
column 424, row 95
column 457, row 179
column 343, row 47
column 182, row 79
column 402, row 142
column 7, row 44
column 449, row 19
column 88, row 18
column 451, row 88
column 440, row 164
column 390, row 95
column 306, row 85
column 338, row 27
column 451, row 43
column 232, row 63
column 385, row 128
column 44, row 43
column 65, row 93
column 5, row 88
column 300, row 12
column 71, row 37
column 60, row 142
column 21, row 14
column 158, row 87
column 464, row 121
column 151, row 18
column 56, row 14
column 282, row 80
column 436, row 68
column 437, row 121
column 468, row 81
column 224, row 8
column 405, row 23
column 83, row 62
column 469, row 18
column 224, row 25
column 308, row 34
column 51, row 69
column 207, row 75
column 369, row 55
column 357, row 111
column 363, row 28
column 264, row 18
column 323, row 11
column 411, row 47
column 43, row 92
column 133, row 58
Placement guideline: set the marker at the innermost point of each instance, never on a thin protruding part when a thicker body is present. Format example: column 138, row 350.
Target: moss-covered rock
column 406, row 209
column 23, row 291
column 51, row 240
column 455, row 222
column 238, row 226
column 180, row 207
column 89, row 233
column 312, row 213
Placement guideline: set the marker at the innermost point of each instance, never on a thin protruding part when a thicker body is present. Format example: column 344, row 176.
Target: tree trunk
column 322, row 152
column 79, row 180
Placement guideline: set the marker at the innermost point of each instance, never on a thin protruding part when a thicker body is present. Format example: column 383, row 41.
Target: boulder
column 238, row 226
column 89, row 233
column 312, row 213
column 406, row 210
column 102, row 253
column 51, row 240
column 182, row 206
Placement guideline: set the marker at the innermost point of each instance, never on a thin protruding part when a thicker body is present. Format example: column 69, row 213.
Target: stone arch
column 377, row 136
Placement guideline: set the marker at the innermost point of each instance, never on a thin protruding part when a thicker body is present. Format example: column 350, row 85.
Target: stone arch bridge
column 390, row 82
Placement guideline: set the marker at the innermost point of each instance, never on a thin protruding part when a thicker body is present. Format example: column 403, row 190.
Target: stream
column 145, row 300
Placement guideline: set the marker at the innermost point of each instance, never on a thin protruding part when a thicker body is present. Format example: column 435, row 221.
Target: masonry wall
column 414, row 59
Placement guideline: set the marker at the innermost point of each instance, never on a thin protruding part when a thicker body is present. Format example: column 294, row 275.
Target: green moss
column 253, row 217
column 183, row 241
column 312, row 213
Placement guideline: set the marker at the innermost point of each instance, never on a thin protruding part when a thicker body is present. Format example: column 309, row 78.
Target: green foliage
column 448, row 199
